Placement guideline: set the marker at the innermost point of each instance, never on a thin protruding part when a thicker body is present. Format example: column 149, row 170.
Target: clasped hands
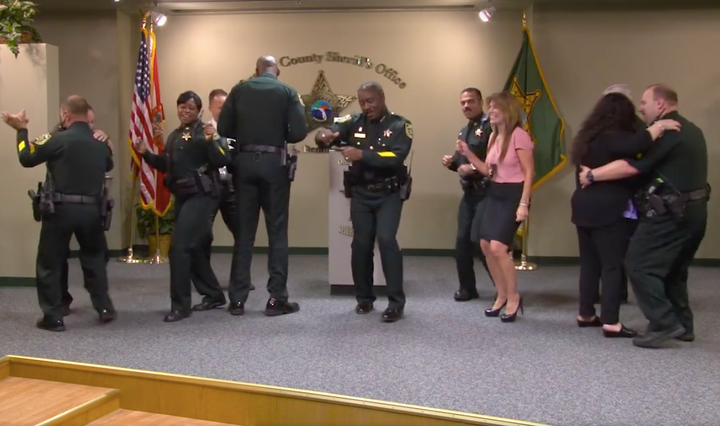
column 463, row 149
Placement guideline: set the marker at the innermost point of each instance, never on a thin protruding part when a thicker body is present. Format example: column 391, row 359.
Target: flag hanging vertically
column 146, row 124
column 542, row 119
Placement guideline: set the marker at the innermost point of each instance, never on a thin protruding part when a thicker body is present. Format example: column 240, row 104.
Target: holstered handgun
column 406, row 188
column 348, row 183
column 47, row 194
column 35, row 197
column 106, row 206
column 292, row 166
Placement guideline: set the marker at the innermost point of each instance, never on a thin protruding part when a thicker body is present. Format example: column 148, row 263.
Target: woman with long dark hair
column 609, row 133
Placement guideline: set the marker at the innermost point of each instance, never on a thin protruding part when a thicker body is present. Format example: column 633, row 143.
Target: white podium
column 340, row 232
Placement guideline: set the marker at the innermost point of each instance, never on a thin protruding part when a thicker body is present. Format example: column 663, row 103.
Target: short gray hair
column 619, row 88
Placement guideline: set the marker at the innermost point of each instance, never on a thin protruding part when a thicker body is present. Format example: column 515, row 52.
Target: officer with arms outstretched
column 377, row 142
column 72, row 203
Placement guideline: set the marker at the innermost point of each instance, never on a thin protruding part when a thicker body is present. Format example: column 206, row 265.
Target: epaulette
column 399, row 117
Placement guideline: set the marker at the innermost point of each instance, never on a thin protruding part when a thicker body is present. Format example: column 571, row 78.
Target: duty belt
column 74, row 199
column 385, row 184
column 260, row 149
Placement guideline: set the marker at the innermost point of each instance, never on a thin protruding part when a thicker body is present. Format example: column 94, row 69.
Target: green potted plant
column 146, row 229
column 16, row 18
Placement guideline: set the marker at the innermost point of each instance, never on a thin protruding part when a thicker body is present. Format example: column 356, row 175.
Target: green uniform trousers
column 261, row 182
column 193, row 224
column 467, row 243
column 657, row 263
column 83, row 221
column 376, row 215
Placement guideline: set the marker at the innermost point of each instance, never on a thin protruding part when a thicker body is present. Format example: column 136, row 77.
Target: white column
column 30, row 82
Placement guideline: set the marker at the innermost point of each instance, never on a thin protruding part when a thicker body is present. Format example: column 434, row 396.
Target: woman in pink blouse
column 511, row 168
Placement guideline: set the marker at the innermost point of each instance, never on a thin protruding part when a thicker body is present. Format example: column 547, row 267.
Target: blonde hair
column 511, row 111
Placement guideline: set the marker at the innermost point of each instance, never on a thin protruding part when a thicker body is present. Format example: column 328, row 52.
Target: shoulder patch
column 408, row 129
column 343, row 119
column 300, row 100
column 42, row 140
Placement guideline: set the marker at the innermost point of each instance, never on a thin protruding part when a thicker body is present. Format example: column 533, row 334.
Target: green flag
column 542, row 120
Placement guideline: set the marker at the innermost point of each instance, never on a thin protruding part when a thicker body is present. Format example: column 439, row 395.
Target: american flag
column 146, row 125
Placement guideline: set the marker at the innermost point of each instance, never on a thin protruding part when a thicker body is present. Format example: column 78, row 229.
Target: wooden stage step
column 139, row 418
column 30, row 402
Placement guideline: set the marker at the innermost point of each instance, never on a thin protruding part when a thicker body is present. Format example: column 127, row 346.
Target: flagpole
column 130, row 258
column 523, row 264
column 157, row 259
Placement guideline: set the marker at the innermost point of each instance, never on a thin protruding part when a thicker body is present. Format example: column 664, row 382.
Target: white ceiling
column 218, row 6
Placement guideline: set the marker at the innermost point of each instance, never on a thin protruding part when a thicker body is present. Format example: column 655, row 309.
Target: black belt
column 269, row 149
column 74, row 199
column 385, row 184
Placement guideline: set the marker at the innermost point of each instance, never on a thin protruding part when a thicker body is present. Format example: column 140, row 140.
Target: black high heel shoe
column 512, row 317
column 494, row 312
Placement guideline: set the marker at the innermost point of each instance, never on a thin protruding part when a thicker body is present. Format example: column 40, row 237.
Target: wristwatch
column 472, row 166
column 590, row 176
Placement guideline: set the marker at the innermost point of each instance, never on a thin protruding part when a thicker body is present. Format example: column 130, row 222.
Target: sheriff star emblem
column 387, row 133
column 478, row 132
column 186, row 136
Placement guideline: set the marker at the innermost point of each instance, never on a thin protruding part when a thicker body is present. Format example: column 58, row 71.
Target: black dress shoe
column 275, row 307
column 237, row 308
column 207, row 306
column 464, row 295
column 50, row 324
column 687, row 337
column 658, row 339
column 392, row 314
column 594, row 323
column 176, row 316
column 624, row 332
column 106, row 316
column 363, row 308
column 66, row 310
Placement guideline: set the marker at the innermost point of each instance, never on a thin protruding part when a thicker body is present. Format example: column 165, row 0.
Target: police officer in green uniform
column 64, row 277
column 673, row 219
column 262, row 115
column 476, row 133
column 71, row 204
column 376, row 145
column 191, row 158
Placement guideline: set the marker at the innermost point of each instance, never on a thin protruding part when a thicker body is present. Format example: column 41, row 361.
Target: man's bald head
column 267, row 64
column 74, row 108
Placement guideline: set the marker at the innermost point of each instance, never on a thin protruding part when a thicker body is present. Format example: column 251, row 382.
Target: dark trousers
column 376, row 215
column 467, row 247
column 602, row 253
column 187, row 252
column 226, row 207
column 83, row 221
column 261, row 184
column 67, row 299
column 658, row 261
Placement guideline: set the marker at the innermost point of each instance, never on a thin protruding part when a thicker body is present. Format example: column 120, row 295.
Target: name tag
column 359, row 135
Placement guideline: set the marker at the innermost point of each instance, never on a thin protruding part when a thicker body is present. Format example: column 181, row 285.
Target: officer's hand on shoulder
column 100, row 135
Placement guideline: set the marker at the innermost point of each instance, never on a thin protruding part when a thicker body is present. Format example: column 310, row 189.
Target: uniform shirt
column 385, row 143
column 186, row 151
column 263, row 111
column 509, row 169
column 76, row 161
column 680, row 156
column 476, row 134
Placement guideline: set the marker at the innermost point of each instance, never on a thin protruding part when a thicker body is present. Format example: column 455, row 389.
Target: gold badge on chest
column 387, row 133
column 186, row 136
column 478, row 132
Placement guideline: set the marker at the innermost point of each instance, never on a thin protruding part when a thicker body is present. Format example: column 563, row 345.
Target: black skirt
column 496, row 221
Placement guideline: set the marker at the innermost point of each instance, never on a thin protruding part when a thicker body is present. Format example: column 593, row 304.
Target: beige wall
column 36, row 67
column 437, row 54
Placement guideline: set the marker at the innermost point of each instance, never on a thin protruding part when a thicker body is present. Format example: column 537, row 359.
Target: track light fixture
column 487, row 13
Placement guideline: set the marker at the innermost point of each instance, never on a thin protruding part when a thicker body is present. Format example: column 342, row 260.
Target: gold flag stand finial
column 523, row 264
column 524, row 21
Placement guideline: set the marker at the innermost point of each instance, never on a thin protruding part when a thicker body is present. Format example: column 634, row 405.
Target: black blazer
column 603, row 203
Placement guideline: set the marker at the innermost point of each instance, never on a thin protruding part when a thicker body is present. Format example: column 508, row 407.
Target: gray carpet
column 444, row 354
